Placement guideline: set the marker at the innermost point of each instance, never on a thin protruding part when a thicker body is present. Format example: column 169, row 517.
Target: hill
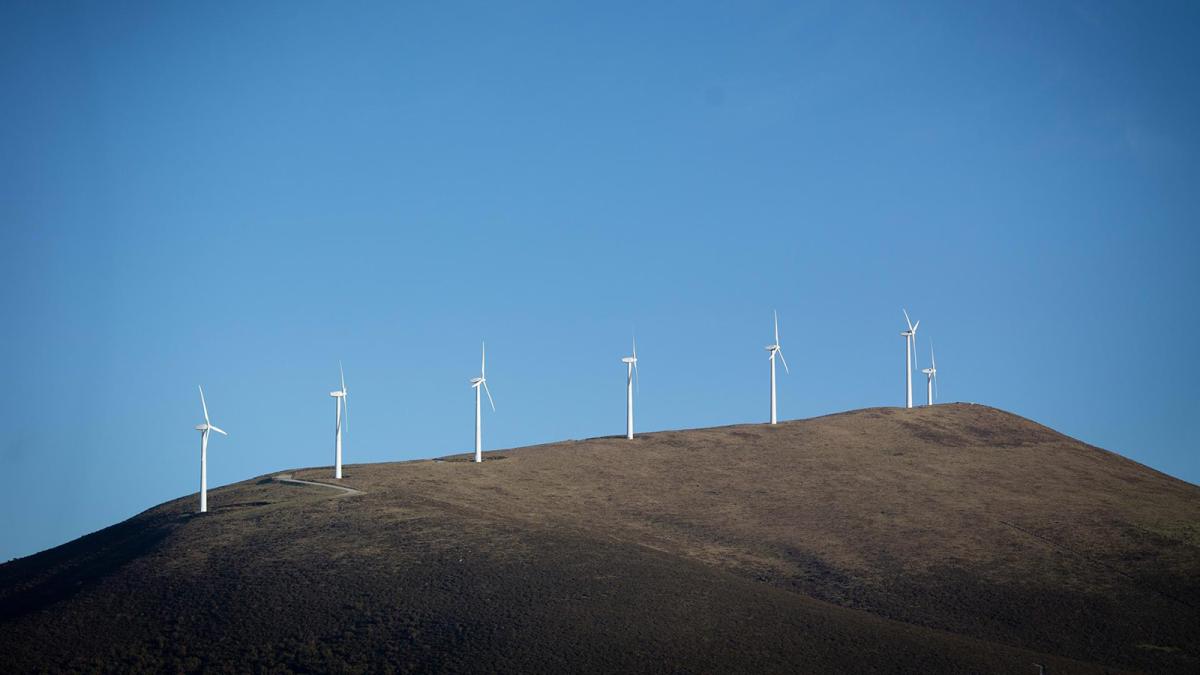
column 957, row 538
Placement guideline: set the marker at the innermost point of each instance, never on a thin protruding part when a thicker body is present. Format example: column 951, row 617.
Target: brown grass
column 957, row 538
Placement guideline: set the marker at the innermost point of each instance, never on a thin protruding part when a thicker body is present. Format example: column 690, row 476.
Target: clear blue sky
column 240, row 194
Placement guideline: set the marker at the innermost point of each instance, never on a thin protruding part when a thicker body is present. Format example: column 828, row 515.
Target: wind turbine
column 775, row 349
column 478, row 383
column 910, row 346
column 631, row 365
column 931, row 374
column 204, row 429
column 339, row 402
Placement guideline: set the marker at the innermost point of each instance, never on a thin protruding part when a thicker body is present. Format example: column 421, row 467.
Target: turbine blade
column 637, row 378
column 776, row 326
column 914, row 327
column 931, row 357
column 489, row 393
column 343, row 374
column 346, row 407
column 203, row 404
column 483, row 359
column 780, row 351
column 935, row 391
column 906, row 319
column 219, row 431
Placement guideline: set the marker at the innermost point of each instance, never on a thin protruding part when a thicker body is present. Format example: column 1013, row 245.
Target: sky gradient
column 239, row 196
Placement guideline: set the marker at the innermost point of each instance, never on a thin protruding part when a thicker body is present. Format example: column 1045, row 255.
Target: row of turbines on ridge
column 479, row 384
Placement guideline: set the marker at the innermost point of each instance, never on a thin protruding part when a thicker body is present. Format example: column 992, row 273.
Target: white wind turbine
column 339, row 402
column 910, row 346
column 478, row 383
column 931, row 374
column 775, row 349
column 204, row 429
column 631, row 366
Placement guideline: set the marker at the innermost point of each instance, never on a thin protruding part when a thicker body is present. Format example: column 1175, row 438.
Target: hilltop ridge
column 950, row 538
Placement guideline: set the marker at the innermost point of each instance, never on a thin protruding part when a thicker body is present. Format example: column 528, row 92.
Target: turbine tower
column 775, row 349
column 931, row 374
column 339, row 402
column 478, row 383
column 631, row 366
column 204, row 429
column 910, row 346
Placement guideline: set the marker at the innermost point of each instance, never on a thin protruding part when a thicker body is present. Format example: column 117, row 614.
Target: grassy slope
column 949, row 539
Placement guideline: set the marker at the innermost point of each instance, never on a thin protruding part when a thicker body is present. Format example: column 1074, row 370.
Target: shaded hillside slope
column 949, row 539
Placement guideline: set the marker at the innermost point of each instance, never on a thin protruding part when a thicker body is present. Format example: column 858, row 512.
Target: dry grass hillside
column 957, row 538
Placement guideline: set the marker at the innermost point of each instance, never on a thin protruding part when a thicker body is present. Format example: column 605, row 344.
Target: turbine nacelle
column 629, row 359
column 209, row 427
column 337, row 394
